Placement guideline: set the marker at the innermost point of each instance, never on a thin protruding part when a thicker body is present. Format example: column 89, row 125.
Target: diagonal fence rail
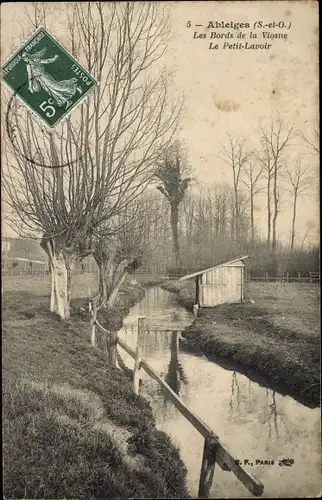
column 215, row 451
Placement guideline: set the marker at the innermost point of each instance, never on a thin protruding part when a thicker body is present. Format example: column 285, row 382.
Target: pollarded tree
column 117, row 252
column 67, row 183
column 118, row 247
column 173, row 173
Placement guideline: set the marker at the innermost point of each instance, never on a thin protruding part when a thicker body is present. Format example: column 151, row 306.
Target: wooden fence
column 314, row 277
column 21, row 272
column 40, row 272
column 286, row 279
column 214, row 450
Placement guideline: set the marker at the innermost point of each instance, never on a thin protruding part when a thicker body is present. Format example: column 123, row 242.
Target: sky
column 229, row 91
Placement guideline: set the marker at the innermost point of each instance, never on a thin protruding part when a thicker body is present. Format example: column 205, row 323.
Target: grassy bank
column 185, row 292
column 72, row 426
column 275, row 340
column 149, row 279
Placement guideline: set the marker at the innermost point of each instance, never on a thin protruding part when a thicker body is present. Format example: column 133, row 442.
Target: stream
column 255, row 422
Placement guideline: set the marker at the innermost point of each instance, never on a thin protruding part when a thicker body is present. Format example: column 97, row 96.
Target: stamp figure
column 47, row 78
column 38, row 78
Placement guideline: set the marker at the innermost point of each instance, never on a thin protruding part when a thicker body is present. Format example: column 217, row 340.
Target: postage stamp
column 47, row 78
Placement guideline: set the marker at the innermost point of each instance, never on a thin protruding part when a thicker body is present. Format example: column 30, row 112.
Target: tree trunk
column 53, row 288
column 69, row 266
column 293, row 221
column 252, row 222
column 110, row 279
column 60, row 269
column 102, row 282
column 237, row 217
column 275, row 194
column 174, row 227
column 116, row 288
column 269, row 213
column 62, row 294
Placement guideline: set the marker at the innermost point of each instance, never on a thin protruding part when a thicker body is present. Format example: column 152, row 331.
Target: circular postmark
column 12, row 124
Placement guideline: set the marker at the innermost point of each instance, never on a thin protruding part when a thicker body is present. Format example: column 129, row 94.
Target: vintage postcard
column 160, row 249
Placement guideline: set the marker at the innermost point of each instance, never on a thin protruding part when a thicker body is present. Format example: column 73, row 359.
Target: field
column 72, row 426
column 275, row 340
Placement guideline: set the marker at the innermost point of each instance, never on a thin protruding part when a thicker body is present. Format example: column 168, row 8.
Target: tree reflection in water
column 245, row 400
column 234, row 390
column 175, row 375
column 272, row 415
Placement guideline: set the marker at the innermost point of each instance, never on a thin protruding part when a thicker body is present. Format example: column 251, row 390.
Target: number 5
column 48, row 110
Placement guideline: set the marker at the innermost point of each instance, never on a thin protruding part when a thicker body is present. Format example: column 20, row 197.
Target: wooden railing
column 26, row 272
column 38, row 272
column 280, row 279
column 215, row 451
column 314, row 276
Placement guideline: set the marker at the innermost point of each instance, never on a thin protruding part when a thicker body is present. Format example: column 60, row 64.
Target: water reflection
column 234, row 396
column 244, row 402
column 272, row 416
column 254, row 421
column 175, row 374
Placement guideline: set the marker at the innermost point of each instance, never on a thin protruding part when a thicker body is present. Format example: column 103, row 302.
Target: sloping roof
column 203, row 271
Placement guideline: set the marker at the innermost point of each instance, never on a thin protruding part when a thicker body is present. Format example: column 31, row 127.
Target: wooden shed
column 220, row 284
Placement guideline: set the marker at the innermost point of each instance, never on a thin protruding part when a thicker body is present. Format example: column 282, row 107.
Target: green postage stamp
column 47, row 78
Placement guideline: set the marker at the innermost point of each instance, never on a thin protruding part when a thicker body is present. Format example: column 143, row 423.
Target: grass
column 185, row 291
column 149, row 279
column 275, row 340
column 72, row 426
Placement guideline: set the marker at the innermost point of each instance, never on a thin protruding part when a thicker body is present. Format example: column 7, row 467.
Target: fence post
column 92, row 309
column 112, row 349
column 138, row 355
column 207, row 467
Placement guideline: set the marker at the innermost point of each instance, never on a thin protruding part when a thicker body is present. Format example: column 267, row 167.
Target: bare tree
column 313, row 142
column 189, row 209
column 265, row 158
column 117, row 250
column 154, row 216
column 235, row 155
column 275, row 140
column 222, row 198
column 109, row 146
column 299, row 181
column 173, row 173
column 253, row 175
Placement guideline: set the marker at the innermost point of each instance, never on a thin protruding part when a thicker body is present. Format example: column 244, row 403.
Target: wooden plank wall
column 222, row 285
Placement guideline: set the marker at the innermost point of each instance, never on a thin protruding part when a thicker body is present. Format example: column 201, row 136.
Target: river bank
column 252, row 420
column 274, row 341
column 73, row 428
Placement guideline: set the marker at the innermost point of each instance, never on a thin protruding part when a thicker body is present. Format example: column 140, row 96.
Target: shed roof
column 197, row 273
